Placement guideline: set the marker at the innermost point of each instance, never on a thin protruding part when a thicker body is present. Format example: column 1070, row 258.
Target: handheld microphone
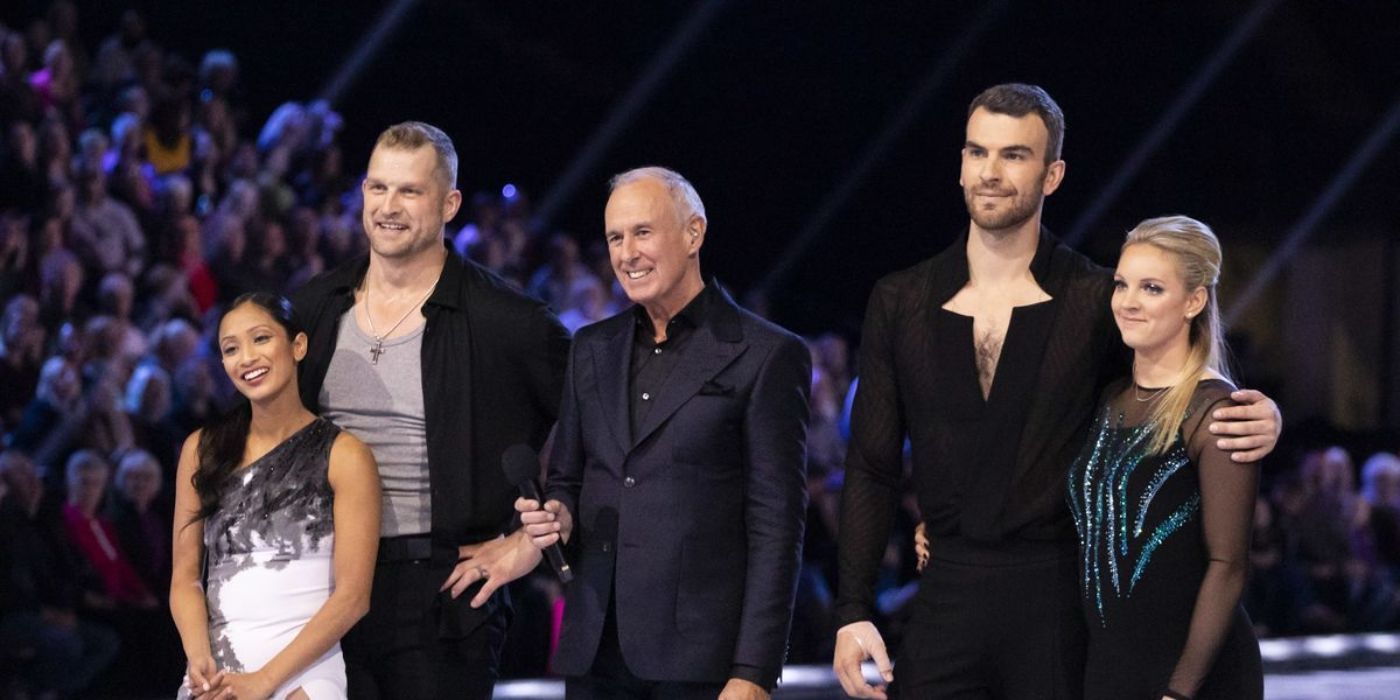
column 521, row 464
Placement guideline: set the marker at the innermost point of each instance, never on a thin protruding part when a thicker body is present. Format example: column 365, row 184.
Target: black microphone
column 521, row 464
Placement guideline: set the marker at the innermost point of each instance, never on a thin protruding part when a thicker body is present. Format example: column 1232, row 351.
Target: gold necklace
column 378, row 348
column 1155, row 393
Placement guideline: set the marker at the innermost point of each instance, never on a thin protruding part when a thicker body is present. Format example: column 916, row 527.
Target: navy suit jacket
column 698, row 517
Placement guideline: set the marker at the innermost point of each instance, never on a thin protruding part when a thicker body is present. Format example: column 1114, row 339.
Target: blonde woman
column 1163, row 514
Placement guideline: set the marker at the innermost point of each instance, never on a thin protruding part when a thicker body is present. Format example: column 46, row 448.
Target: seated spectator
column 52, row 422
column 133, row 182
column 232, row 272
column 94, row 537
column 147, row 403
column 141, row 519
column 134, row 101
column 194, row 398
column 304, row 238
column 93, row 147
column 21, row 356
column 217, row 124
column 17, row 100
column 241, row 166
column 601, row 265
column 172, row 343
column 174, row 198
column 105, row 232
column 115, row 297
column 275, row 196
column 15, row 272
column 1271, row 595
column 106, row 427
column 168, row 140
column 55, row 150
column 587, row 303
column 484, row 219
column 22, row 183
column 218, row 73
column 60, row 202
column 555, row 279
column 42, row 635
column 49, row 235
column 826, row 449
column 1331, row 521
column 323, row 179
column 166, row 295
column 1380, row 486
column 56, row 84
column 515, row 239
column 150, row 68
column 116, row 57
column 102, row 351
column 126, row 139
column 268, row 265
column 287, row 125
column 832, row 354
column 340, row 239
column 61, row 279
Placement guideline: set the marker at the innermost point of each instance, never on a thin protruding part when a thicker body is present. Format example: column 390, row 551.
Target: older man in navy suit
column 677, row 478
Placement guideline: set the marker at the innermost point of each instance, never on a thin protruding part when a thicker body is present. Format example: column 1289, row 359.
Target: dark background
column 775, row 102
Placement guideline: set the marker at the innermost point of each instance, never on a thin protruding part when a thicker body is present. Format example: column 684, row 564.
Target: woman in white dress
column 283, row 510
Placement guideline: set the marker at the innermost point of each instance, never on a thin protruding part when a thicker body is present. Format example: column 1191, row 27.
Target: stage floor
column 1352, row 684
column 1341, row 667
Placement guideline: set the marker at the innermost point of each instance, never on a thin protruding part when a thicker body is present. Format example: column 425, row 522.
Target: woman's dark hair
column 224, row 440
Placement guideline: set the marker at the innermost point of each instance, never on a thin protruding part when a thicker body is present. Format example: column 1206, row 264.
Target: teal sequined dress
column 1159, row 615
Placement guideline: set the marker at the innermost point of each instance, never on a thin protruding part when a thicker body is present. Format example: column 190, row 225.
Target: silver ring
column 484, row 573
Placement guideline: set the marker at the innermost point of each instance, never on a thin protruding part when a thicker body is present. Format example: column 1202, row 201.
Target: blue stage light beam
column 1375, row 142
column 1164, row 127
column 875, row 150
column 384, row 27
column 672, row 51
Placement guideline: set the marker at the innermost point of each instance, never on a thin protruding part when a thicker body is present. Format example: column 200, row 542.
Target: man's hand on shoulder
column 1255, row 426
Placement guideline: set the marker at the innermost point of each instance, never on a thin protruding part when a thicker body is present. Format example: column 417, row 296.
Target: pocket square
column 715, row 389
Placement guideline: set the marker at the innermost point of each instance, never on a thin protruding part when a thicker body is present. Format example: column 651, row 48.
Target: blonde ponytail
column 1197, row 253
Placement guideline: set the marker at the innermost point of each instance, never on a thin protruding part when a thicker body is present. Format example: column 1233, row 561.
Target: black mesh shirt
column 989, row 472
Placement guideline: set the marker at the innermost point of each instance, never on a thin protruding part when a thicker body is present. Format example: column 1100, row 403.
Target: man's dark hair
column 1020, row 99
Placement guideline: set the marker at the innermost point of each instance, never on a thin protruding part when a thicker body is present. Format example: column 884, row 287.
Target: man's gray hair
column 682, row 192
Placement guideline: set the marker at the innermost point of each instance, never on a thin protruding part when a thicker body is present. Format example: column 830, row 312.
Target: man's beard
column 1023, row 207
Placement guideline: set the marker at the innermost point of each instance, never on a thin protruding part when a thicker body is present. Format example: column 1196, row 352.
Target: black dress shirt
column 988, row 472
column 652, row 362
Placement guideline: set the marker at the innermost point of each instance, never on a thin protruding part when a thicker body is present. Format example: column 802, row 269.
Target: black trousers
column 610, row 678
column 398, row 651
column 985, row 625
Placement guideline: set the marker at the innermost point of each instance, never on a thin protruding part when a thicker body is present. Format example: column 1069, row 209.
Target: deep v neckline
column 1011, row 347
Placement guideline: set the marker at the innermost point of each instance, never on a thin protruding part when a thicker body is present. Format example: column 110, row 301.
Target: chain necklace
column 378, row 348
column 1152, row 393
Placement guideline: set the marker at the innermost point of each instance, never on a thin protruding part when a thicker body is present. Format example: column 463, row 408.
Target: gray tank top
column 382, row 405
